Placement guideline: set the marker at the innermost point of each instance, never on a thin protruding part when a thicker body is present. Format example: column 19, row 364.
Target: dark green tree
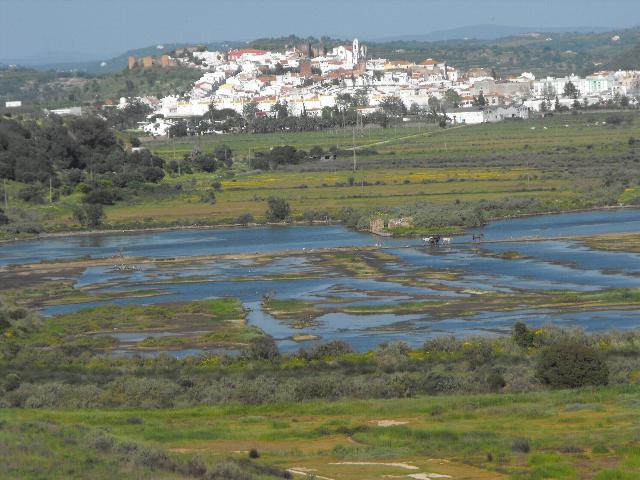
column 278, row 210
column 179, row 129
column 570, row 90
column 3, row 218
column 480, row 101
column 393, row 106
column 224, row 154
column 89, row 215
column 522, row 335
column 281, row 109
column 452, row 98
column 262, row 348
column 571, row 365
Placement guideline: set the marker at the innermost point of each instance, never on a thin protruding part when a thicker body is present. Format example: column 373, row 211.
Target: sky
column 96, row 29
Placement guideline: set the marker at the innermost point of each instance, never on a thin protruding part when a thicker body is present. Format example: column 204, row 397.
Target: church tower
column 356, row 51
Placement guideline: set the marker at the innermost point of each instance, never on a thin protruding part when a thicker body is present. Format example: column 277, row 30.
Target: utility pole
column 50, row 191
column 173, row 141
column 354, row 150
column 4, row 187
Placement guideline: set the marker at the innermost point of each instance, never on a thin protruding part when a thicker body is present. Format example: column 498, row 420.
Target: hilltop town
column 311, row 80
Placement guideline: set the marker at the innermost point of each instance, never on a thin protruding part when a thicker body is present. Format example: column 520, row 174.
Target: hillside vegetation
column 444, row 178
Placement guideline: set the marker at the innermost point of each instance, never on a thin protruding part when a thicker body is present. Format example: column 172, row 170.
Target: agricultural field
column 555, row 160
column 585, row 134
column 450, row 178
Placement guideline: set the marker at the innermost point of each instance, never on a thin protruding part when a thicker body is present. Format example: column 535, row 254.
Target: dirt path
column 428, row 133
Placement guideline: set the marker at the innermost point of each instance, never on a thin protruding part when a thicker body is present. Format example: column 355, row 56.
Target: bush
column 102, row 196
column 224, row 154
column 521, row 445
column 31, row 194
column 12, row 382
column 205, row 163
column 3, row 218
column 279, row 209
column 571, row 365
column 522, row 335
column 209, row 197
column 245, row 219
column 228, row 471
column 496, row 381
column 331, row 349
column 446, row 344
column 392, row 357
column 253, row 453
column 89, row 216
column 262, row 348
column 478, row 352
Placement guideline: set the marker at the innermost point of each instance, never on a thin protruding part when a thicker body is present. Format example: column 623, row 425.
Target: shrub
column 12, row 382
column 153, row 458
column 31, row 194
column 100, row 441
column 205, row 163
column 522, row 335
column 478, row 352
column 228, row 471
column 253, row 453
column 89, row 216
column 194, row 467
column 392, row 357
column 571, row 365
column 245, row 219
column 334, row 348
column 496, row 382
column 279, row 209
column 262, row 348
column 3, row 218
column 224, row 154
column 521, row 445
column 209, row 197
column 445, row 344
column 102, row 196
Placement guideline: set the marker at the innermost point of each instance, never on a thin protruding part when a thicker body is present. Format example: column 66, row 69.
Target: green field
column 560, row 435
column 410, row 141
column 448, row 178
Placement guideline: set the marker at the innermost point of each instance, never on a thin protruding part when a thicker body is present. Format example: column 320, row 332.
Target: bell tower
column 356, row 51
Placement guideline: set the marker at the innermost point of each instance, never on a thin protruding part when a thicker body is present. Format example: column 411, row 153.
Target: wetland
column 303, row 285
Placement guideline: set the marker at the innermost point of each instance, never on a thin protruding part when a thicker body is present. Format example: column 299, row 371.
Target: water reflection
column 410, row 274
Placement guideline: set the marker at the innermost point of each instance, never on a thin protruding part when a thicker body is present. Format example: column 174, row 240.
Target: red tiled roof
column 242, row 51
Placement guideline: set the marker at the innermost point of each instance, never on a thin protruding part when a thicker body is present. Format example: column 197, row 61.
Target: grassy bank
column 561, row 435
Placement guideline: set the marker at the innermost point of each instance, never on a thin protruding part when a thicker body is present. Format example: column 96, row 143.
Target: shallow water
column 547, row 265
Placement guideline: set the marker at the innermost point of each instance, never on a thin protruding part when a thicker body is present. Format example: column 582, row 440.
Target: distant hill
column 111, row 65
column 484, row 32
column 627, row 60
column 543, row 53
